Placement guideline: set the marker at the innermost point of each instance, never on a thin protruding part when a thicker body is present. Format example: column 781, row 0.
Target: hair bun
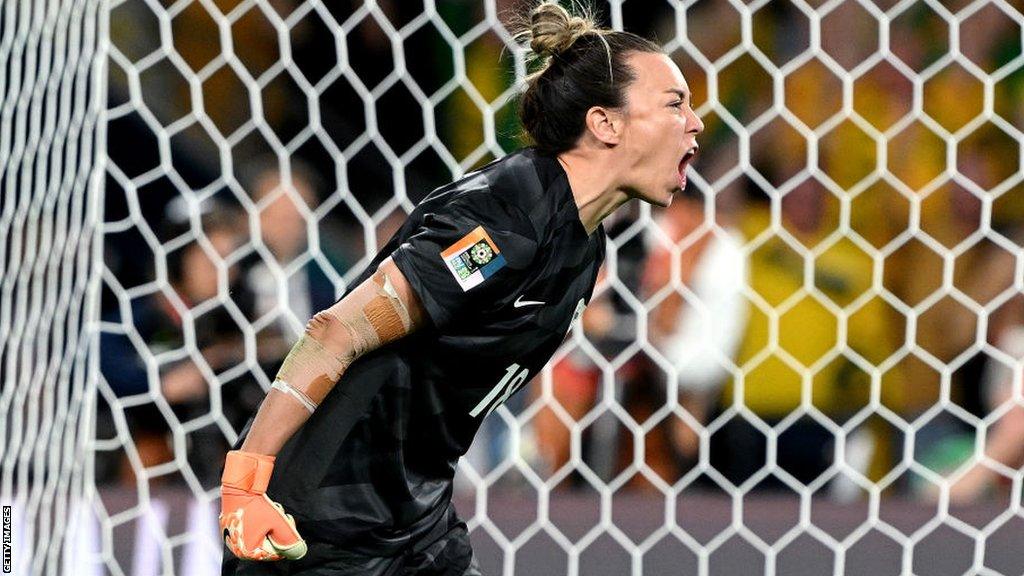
column 553, row 30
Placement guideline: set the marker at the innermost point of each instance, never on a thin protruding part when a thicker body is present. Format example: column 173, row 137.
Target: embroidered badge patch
column 473, row 259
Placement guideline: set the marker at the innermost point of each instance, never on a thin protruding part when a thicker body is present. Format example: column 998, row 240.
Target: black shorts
column 444, row 551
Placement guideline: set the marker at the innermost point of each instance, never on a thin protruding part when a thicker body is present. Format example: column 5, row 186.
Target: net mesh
column 50, row 141
column 831, row 316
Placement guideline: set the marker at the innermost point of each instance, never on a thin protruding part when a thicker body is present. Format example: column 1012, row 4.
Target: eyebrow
column 680, row 93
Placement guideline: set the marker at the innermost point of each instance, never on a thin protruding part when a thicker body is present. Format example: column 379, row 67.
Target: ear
column 605, row 124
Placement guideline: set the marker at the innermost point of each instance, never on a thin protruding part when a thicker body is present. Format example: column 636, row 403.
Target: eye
column 677, row 104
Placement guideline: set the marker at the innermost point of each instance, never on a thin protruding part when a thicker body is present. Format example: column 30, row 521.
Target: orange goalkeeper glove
column 254, row 526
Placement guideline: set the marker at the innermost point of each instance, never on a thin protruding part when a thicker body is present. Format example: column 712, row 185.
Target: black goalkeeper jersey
column 503, row 266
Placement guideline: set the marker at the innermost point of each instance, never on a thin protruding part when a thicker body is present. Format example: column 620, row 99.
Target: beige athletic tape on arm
column 360, row 322
column 386, row 312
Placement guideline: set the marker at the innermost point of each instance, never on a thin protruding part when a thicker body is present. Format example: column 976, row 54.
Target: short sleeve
column 467, row 255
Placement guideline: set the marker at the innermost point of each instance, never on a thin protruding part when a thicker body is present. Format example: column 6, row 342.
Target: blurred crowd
column 848, row 281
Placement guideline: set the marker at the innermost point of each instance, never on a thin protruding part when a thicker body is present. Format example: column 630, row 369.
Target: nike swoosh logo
column 519, row 303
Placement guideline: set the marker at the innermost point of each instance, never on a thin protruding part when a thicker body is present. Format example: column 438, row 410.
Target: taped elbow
column 324, row 328
column 368, row 320
column 371, row 316
column 310, row 371
column 342, row 338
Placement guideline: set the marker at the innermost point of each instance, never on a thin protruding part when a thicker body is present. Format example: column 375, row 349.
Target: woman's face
column 199, row 272
column 660, row 133
column 282, row 225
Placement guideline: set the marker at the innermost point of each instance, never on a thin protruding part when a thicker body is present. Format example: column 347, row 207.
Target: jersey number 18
column 510, row 382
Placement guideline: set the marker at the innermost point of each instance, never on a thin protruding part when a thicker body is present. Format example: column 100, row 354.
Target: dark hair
column 583, row 66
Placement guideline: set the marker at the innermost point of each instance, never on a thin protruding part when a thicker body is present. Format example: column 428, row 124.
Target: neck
column 591, row 178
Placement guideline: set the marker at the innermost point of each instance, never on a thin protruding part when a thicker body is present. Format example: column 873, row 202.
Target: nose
column 695, row 125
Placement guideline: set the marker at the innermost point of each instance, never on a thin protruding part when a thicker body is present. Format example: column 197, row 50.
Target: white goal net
column 51, row 126
column 810, row 364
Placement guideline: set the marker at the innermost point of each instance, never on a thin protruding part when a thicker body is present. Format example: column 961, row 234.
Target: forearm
column 277, row 419
column 379, row 311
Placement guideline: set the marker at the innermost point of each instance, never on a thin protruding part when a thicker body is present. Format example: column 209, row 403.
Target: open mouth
column 684, row 162
column 689, row 155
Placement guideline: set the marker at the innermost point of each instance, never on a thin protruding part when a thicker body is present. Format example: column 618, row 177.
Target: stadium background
column 856, row 216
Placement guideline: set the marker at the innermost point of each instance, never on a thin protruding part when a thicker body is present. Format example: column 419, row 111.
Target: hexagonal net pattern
column 810, row 363
column 50, row 174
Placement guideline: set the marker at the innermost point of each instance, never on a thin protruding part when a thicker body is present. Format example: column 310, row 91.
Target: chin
column 657, row 195
column 663, row 199
column 670, row 194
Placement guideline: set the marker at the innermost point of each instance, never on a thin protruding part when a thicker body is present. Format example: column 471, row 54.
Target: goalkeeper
column 347, row 466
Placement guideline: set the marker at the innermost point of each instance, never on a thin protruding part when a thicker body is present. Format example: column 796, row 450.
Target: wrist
column 248, row 471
